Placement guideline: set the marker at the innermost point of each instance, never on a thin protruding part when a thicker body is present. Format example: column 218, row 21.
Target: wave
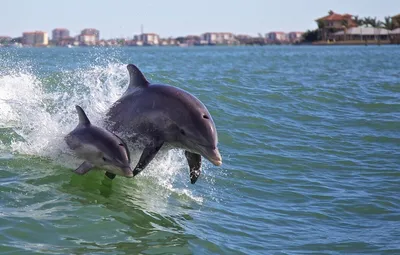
column 39, row 111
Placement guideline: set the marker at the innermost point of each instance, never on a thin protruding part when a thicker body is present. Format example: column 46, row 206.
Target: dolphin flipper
column 110, row 175
column 83, row 168
column 148, row 154
column 194, row 161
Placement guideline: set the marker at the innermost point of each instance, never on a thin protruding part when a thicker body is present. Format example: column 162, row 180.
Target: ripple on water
column 309, row 138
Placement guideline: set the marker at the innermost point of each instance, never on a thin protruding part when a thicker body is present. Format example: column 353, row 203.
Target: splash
column 41, row 111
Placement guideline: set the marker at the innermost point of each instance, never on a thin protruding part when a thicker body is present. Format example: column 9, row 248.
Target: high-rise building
column 86, row 39
column 28, row 38
column 91, row 31
column 148, row 38
column 37, row 38
column 60, row 34
column 41, row 38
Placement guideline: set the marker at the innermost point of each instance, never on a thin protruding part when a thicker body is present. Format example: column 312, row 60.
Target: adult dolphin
column 164, row 115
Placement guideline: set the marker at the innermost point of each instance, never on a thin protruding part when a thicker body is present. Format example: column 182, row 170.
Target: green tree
column 373, row 22
column 310, row 36
column 16, row 40
column 388, row 23
column 367, row 21
column 358, row 21
column 345, row 26
column 181, row 39
column 321, row 30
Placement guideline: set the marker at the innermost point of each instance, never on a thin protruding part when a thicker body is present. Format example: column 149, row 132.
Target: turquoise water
column 309, row 138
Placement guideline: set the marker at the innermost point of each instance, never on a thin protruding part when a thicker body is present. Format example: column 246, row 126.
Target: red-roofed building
column 334, row 22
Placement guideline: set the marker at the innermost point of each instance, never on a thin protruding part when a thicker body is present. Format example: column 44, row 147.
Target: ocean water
column 310, row 140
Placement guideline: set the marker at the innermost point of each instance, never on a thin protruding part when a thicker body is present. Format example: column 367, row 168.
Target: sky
column 123, row 18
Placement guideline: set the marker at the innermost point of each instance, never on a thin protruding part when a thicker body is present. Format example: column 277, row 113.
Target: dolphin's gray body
column 98, row 147
column 163, row 114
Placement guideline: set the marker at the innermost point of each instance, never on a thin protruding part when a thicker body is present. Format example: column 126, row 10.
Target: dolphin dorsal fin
column 83, row 119
column 136, row 79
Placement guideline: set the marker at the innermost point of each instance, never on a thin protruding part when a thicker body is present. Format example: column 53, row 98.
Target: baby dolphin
column 98, row 147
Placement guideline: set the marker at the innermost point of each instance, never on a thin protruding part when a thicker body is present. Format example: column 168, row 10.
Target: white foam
column 41, row 114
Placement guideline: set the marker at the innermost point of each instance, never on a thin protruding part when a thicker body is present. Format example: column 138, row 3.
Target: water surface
column 309, row 137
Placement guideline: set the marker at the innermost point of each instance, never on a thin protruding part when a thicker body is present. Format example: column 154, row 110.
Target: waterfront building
column 294, row 37
column 334, row 22
column 5, row 40
column 276, row 37
column 37, row 38
column 88, row 39
column 362, row 33
column 148, row 38
column 91, row 31
column 218, row 38
column 59, row 34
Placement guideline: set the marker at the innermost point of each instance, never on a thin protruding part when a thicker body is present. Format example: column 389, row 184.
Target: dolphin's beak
column 213, row 156
column 127, row 170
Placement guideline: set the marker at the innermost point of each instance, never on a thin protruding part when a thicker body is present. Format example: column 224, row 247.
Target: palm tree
column 373, row 22
column 358, row 21
column 367, row 21
column 345, row 25
column 321, row 28
column 379, row 25
column 388, row 23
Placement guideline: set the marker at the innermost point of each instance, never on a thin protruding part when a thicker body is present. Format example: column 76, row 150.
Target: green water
column 309, row 138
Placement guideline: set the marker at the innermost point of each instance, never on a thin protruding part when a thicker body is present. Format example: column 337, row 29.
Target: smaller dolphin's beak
column 127, row 170
column 213, row 156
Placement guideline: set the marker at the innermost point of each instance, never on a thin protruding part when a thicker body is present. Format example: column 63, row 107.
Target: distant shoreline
column 340, row 43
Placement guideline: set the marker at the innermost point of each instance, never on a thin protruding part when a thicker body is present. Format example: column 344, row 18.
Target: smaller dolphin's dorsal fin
column 83, row 119
column 136, row 79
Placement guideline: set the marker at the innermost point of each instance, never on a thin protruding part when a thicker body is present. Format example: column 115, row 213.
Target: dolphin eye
column 121, row 144
column 205, row 116
column 183, row 132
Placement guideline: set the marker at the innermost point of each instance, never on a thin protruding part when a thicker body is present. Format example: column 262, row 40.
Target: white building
column 37, row 38
column 295, row 36
column 362, row 33
column 218, row 38
column 148, row 38
column 277, row 36
column 41, row 38
column 91, row 31
column 87, row 39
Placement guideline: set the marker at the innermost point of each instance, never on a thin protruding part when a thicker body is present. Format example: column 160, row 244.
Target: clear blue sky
column 122, row 18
